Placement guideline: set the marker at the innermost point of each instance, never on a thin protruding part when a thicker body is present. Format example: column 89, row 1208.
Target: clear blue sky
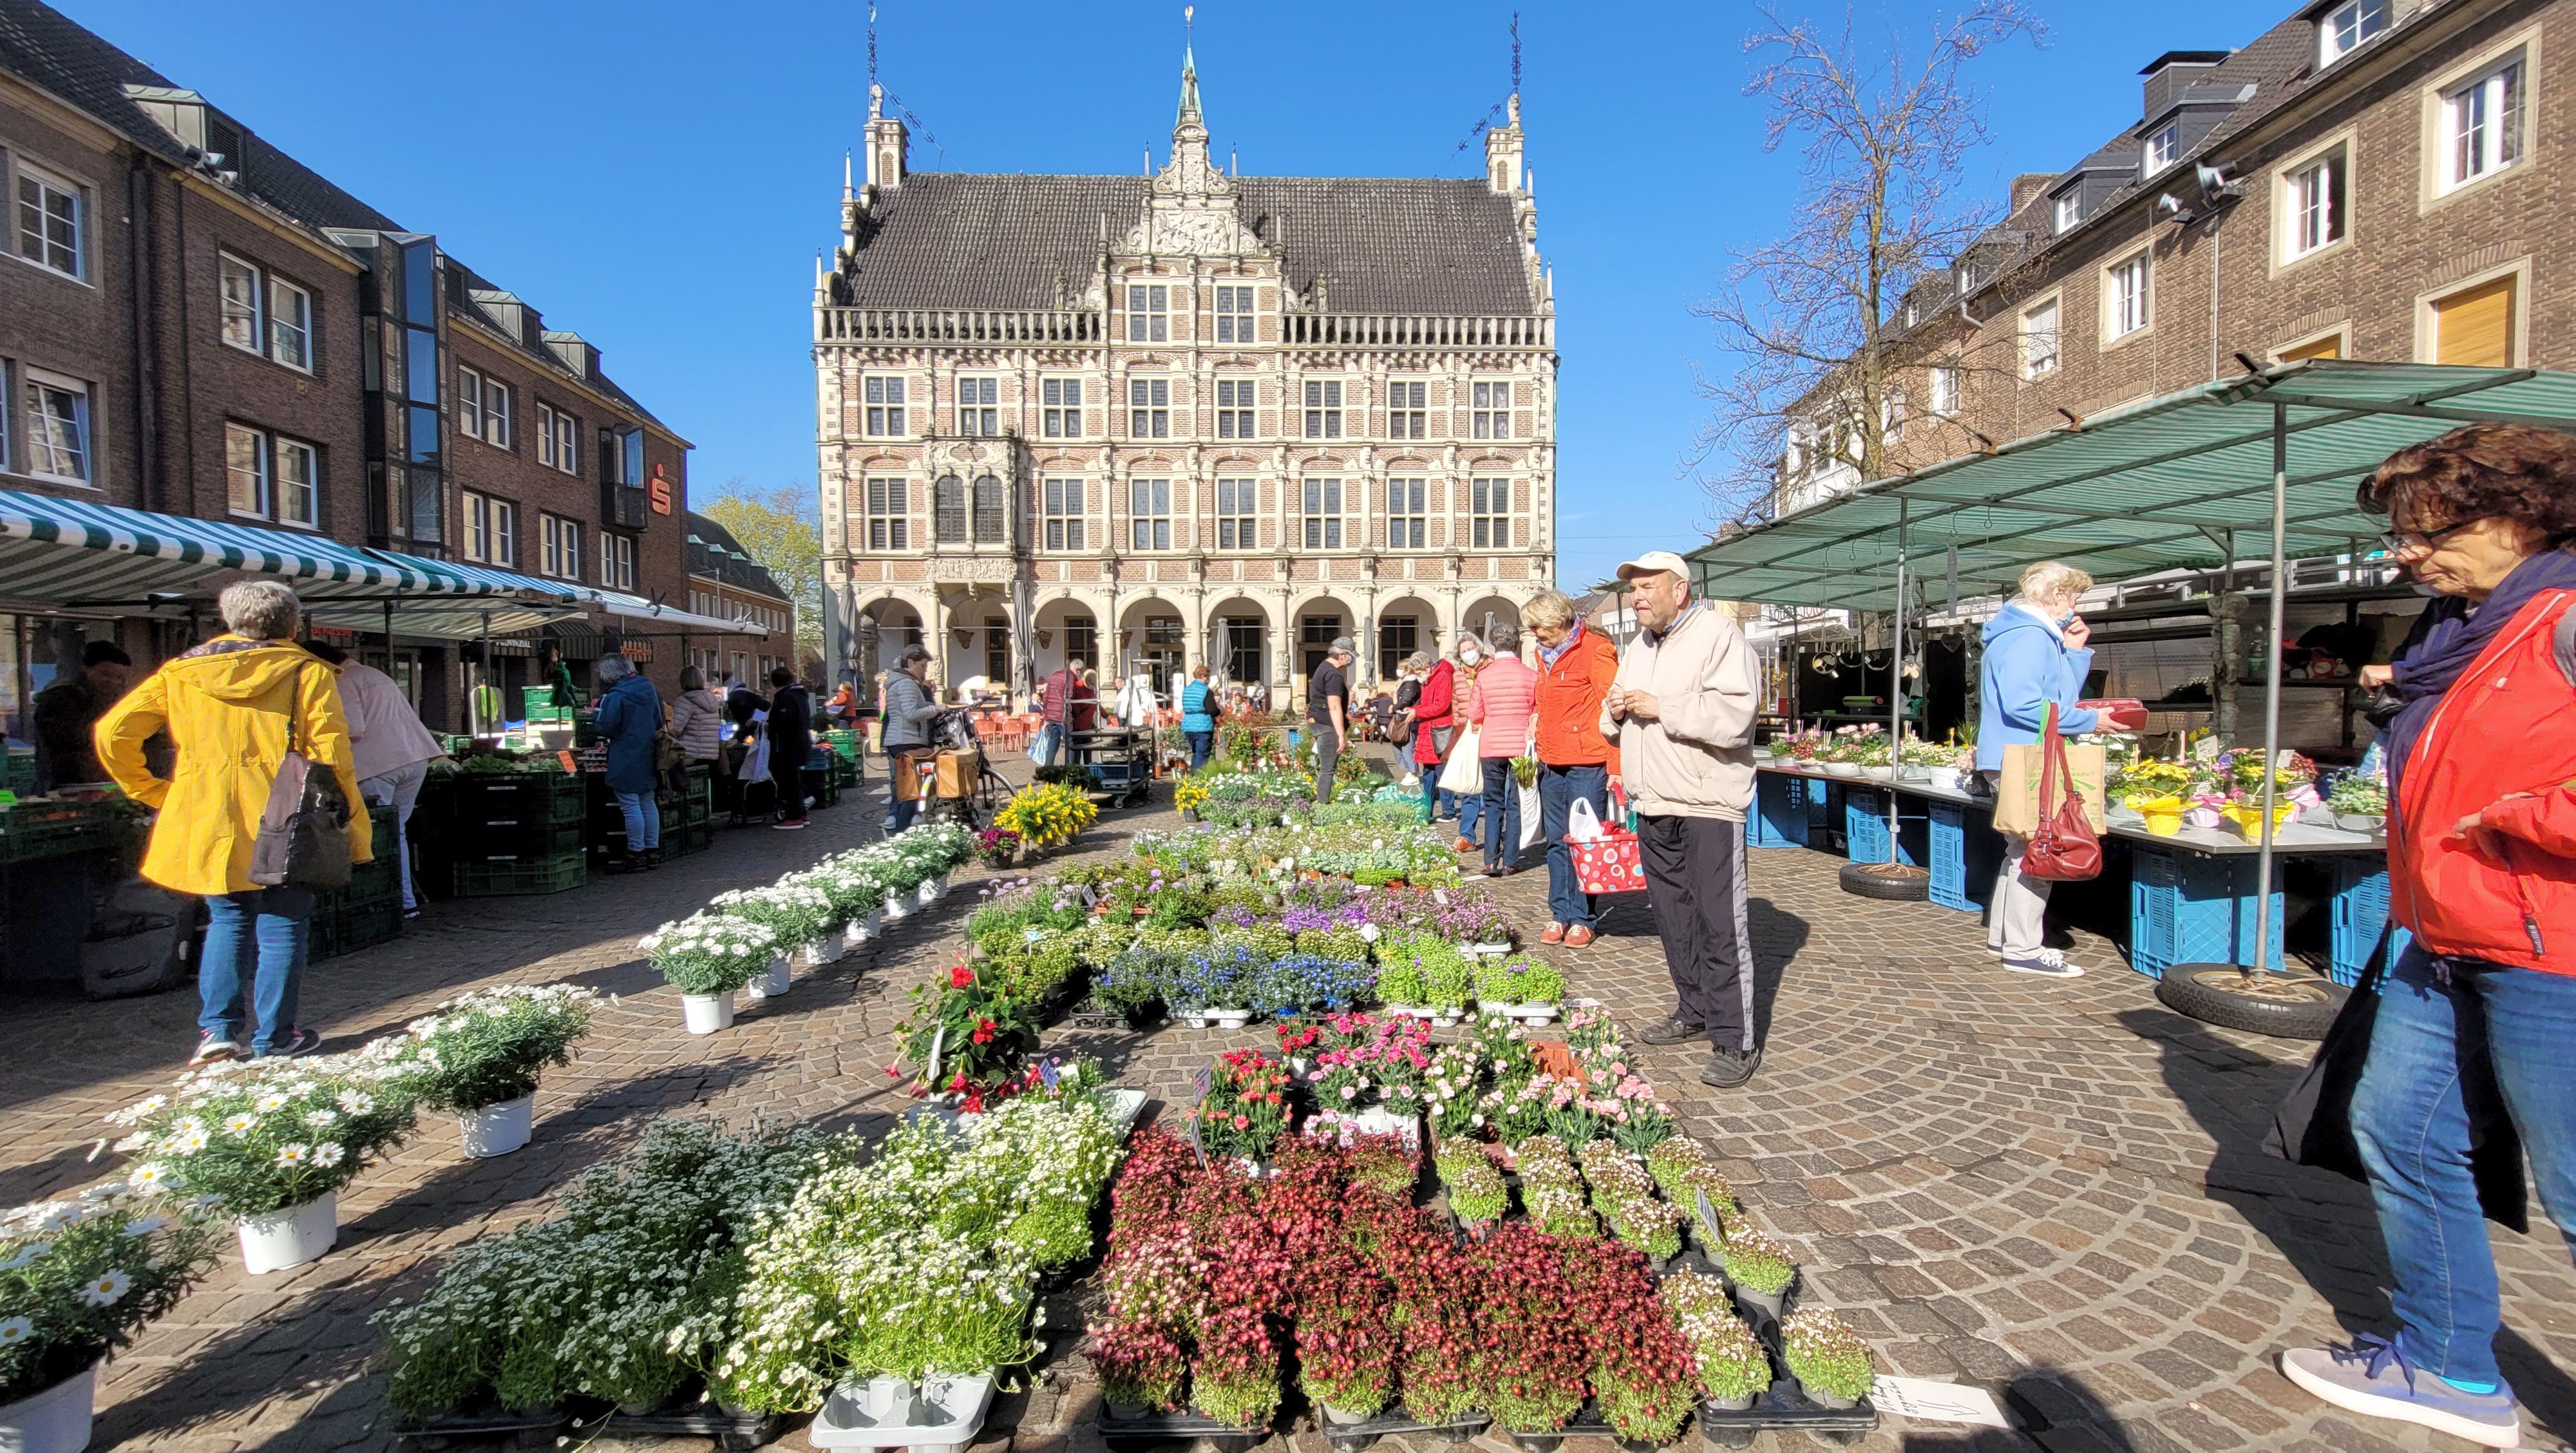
column 657, row 175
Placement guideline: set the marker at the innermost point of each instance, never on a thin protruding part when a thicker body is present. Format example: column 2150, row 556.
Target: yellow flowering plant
column 1046, row 815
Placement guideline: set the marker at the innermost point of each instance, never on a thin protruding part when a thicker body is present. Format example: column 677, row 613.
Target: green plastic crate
column 21, row 777
column 483, row 801
column 44, row 828
column 844, row 742
column 500, row 880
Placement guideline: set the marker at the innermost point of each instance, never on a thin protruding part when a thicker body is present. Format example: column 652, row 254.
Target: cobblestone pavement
column 2052, row 1190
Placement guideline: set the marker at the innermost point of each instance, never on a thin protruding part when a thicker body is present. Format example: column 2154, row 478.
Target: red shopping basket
column 1609, row 862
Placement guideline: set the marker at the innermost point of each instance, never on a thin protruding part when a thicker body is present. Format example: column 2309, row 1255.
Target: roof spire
column 1189, row 116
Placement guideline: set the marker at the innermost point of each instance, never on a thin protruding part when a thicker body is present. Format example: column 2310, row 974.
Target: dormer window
column 2070, row 210
column 1913, row 313
column 1967, row 278
column 2164, row 146
column 2341, row 30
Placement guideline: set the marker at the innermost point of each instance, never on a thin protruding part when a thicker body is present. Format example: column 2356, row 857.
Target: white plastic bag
column 1530, row 814
column 1464, row 772
column 1582, row 824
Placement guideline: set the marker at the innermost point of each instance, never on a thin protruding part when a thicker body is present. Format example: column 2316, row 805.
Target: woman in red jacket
column 2477, row 1021
column 1435, row 723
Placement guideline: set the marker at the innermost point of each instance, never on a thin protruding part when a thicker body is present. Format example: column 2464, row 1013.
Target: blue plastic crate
column 1966, row 854
column 1779, row 811
column 2359, row 914
column 1824, row 815
column 2195, row 908
column 1865, row 828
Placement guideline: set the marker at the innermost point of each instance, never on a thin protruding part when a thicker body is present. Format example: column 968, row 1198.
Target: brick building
column 2367, row 179
column 726, row 583
column 192, row 323
column 1188, row 417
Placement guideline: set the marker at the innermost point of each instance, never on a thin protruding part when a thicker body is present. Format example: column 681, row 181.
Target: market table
column 2191, row 893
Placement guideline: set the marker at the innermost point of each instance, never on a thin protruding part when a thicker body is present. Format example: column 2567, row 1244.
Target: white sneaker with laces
column 2047, row 963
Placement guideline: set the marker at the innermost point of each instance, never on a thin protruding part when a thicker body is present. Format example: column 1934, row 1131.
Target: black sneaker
column 296, row 1045
column 1671, row 1029
column 1730, row 1069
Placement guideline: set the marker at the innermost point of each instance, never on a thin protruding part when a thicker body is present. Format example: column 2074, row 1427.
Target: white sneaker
column 2047, row 963
column 1410, row 780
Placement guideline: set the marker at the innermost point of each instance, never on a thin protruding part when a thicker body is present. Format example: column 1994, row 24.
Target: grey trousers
column 1695, row 883
column 2016, row 920
column 1328, row 755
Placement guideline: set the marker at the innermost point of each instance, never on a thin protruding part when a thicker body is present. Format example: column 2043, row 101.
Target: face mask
column 1467, row 657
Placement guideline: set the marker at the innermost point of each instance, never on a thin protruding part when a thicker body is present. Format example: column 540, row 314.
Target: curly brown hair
column 2477, row 471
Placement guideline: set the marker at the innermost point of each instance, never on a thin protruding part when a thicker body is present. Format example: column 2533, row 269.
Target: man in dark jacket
column 629, row 718
column 68, row 709
column 791, row 740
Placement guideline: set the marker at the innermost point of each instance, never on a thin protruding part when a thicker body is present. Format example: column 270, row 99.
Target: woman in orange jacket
column 2476, row 1024
column 1575, row 668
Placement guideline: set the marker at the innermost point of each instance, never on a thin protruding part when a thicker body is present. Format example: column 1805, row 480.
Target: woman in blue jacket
column 1198, row 716
column 2035, row 658
column 629, row 718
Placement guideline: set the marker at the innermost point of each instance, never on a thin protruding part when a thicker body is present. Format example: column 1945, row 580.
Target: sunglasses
column 2409, row 542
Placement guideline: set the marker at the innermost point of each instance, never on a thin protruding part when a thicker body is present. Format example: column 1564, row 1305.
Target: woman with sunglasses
column 2476, row 1024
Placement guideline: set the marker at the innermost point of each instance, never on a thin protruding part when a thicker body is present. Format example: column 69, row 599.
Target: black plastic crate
column 499, row 880
column 549, row 796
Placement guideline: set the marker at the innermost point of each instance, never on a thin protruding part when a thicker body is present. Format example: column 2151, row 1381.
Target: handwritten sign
column 1936, row 1402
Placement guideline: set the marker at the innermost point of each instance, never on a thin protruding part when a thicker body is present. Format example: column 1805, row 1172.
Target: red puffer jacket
column 1436, row 711
column 2501, row 744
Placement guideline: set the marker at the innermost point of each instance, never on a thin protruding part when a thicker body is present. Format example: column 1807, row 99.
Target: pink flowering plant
column 1370, row 1061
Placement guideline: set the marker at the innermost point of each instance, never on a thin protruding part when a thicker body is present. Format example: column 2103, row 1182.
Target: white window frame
column 1323, row 407
column 884, row 407
column 44, row 180
column 1149, row 312
column 2500, row 95
column 262, row 486
column 1489, row 409
column 469, row 402
column 616, row 560
column 1238, row 514
column 1064, row 508
column 2162, row 148
column 1060, row 407
column 41, row 424
column 1234, row 302
column 887, row 513
column 498, row 412
column 2348, row 27
column 561, row 559
column 2128, row 297
column 2043, row 350
column 1322, row 516
column 1891, row 414
column 299, row 500
column 1149, row 514
column 2311, row 223
column 1489, row 513
column 474, row 518
column 1408, row 408
column 290, row 320
column 546, row 434
column 241, row 322
column 567, row 441
column 1235, row 417
column 1944, row 398
column 1408, row 516
column 1149, row 407
column 2068, row 210
column 978, row 406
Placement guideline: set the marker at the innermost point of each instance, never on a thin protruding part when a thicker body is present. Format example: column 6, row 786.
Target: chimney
column 2168, row 74
column 2029, row 185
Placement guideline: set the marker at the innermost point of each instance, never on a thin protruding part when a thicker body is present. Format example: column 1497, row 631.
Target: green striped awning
column 67, row 552
column 2183, row 481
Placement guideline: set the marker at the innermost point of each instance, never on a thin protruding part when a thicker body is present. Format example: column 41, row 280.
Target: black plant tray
column 533, row 1427
column 695, row 1418
column 1352, row 1437
column 1785, row 1404
column 1178, row 1427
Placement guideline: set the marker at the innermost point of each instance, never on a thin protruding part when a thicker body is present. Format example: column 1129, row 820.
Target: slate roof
column 715, row 554
column 1407, row 246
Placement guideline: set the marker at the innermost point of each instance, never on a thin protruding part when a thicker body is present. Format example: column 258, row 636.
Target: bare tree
column 1806, row 317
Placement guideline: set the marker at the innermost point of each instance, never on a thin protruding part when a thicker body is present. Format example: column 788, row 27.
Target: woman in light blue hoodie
column 2035, row 658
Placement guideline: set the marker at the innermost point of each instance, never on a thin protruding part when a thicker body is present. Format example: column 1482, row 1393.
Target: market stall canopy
column 2181, row 481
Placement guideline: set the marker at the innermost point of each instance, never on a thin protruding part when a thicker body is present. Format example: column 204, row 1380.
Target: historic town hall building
column 1156, row 420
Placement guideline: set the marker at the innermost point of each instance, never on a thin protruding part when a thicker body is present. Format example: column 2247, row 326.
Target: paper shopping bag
column 2017, row 804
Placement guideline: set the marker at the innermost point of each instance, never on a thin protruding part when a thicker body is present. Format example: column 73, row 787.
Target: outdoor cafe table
column 2191, row 893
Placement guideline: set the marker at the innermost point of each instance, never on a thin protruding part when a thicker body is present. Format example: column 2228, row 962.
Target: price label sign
column 930, row 1071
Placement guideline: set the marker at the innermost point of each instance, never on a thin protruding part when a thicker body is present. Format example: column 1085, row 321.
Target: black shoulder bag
column 303, row 837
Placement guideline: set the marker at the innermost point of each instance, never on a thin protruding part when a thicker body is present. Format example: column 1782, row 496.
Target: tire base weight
column 2285, row 1006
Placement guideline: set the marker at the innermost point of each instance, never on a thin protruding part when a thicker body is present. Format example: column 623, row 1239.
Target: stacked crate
column 369, row 910
column 697, row 827
column 515, row 833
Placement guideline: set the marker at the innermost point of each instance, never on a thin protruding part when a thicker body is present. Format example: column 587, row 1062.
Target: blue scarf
column 1549, row 658
column 2448, row 639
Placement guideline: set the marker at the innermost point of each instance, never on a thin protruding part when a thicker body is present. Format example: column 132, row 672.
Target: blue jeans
column 1557, row 789
column 266, row 933
column 2448, row 1033
column 1201, row 743
column 643, row 821
column 1449, row 804
column 1500, row 814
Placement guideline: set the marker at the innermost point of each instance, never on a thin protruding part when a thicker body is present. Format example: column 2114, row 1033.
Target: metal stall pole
column 2272, row 686
column 1896, row 683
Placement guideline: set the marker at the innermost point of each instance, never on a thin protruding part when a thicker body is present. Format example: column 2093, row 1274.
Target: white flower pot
column 1230, row 1018
column 825, row 950
column 1194, row 1018
column 772, row 983
column 1444, row 1019
column 864, row 927
column 1946, row 778
column 499, row 1129
column 944, row 1410
column 1485, row 950
column 897, row 907
column 53, row 1421
column 927, row 893
column 290, row 1237
column 939, row 886
column 706, row 1013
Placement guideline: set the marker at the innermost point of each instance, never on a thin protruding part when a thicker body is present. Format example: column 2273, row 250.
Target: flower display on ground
column 489, row 1046
column 712, row 953
column 1046, row 814
column 267, row 1134
column 80, row 1276
column 1825, row 1355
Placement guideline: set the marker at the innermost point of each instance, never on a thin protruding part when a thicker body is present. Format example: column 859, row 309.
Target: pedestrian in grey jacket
column 909, row 710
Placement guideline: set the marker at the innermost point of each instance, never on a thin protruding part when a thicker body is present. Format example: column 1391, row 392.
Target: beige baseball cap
column 1655, row 562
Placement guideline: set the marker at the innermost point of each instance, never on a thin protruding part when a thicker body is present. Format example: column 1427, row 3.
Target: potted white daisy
column 478, row 1056
column 274, row 1140
column 708, row 957
column 78, row 1278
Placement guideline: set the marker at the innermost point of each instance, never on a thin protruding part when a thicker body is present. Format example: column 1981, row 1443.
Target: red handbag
column 1610, row 862
column 2065, row 849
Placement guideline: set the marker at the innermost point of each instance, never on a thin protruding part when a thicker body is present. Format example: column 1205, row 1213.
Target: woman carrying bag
column 1435, row 723
column 2033, row 672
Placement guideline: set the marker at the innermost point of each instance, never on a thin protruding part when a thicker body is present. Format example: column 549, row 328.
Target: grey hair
column 1418, row 661
column 1548, row 608
column 261, row 608
column 1466, row 639
column 615, row 668
column 1504, row 635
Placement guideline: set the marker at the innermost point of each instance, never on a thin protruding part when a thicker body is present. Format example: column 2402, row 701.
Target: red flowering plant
column 1431, row 1306
column 1387, row 1163
column 1151, row 1185
column 1530, row 1361
column 962, row 1038
column 1246, row 1107
column 1345, row 1346
column 1140, row 1365
column 1643, row 1379
column 1236, row 1376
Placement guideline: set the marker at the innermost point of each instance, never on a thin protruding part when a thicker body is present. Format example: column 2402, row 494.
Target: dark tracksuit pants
column 1695, row 882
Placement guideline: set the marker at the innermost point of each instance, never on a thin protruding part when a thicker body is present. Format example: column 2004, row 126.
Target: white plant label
column 1936, row 1402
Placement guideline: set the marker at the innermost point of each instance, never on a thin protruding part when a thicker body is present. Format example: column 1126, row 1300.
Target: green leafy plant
column 1475, row 1189
column 1757, row 1262
column 1826, row 1355
column 266, row 1134
column 488, row 1047
column 1732, row 1364
column 712, row 953
column 79, row 1277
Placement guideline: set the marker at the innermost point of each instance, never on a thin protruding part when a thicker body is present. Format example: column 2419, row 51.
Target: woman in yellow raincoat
column 225, row 705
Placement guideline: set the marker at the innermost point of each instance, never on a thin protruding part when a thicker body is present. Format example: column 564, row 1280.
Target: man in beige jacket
column 1681, row 709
